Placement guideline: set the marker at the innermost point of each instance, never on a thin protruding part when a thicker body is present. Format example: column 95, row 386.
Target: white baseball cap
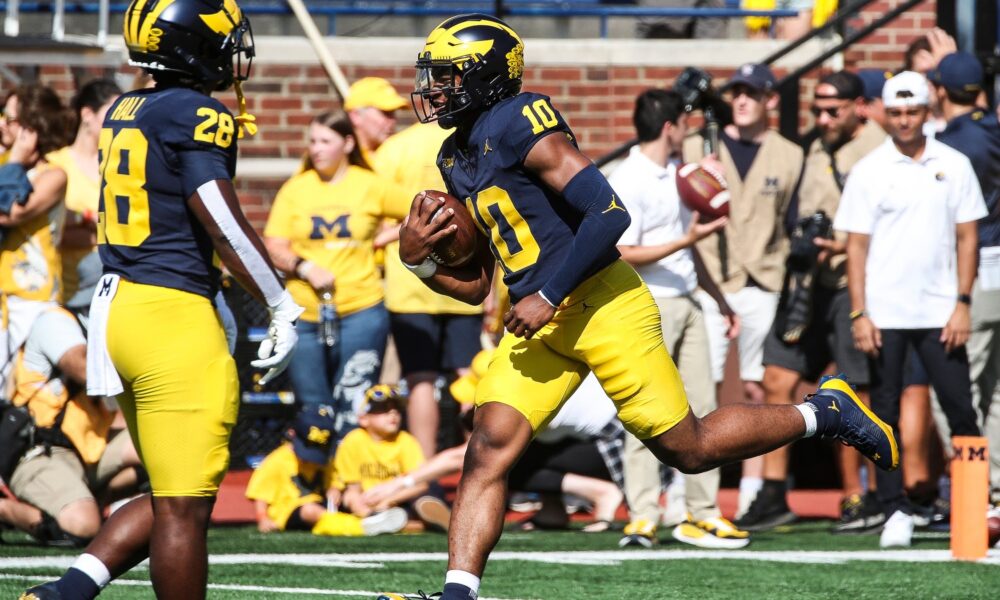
column 908, row 88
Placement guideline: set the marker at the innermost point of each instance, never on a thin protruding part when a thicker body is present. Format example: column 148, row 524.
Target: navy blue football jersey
column 157, row 146
column 529, row 226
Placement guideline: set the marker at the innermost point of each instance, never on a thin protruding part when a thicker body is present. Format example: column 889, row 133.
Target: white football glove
column 276, row 350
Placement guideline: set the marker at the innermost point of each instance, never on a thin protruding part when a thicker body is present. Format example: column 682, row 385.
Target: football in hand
column 703, row 191
column 456, row 249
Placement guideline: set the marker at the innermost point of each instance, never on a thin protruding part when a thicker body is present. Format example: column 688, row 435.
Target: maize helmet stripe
column 132, row 19
column 444, row 44
column 223, row 21
column 150, row 20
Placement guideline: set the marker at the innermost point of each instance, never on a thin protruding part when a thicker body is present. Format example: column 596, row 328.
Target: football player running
column 552, row 221
column 167, row 206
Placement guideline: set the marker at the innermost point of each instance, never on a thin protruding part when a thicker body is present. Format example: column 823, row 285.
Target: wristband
column 302, row 267
column 424, row 270
column 407, row 480
column 857, row 314
column 965, row 299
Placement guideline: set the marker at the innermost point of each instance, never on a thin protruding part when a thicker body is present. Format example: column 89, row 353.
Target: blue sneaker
column 420, row 595
column 841, row 414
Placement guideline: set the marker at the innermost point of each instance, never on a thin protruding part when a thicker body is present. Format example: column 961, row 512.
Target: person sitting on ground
column 289, row 485
column 76, row 458
column 380, row 451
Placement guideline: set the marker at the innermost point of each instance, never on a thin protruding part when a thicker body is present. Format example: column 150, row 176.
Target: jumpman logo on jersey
column 614, row 205
column 486, row 147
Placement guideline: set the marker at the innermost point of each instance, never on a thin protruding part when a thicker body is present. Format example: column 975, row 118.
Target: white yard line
column 598, row 558
column 232, row 587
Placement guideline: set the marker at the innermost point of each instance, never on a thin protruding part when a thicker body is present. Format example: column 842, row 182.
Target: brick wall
column 592, row 82
column 883, row 48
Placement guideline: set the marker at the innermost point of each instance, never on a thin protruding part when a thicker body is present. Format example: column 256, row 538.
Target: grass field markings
column 583, row 558
column 230, row 587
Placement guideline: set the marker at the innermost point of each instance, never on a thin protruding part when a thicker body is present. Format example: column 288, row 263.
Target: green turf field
column 801, row 562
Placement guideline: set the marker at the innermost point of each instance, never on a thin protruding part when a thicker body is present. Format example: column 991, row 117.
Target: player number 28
column 540, row 115
column 224, row 128
column 124, row 216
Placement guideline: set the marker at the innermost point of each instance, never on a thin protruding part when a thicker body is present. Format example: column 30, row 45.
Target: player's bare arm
column 469, row 283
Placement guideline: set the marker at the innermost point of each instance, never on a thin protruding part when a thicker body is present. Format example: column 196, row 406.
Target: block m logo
column 321, row 228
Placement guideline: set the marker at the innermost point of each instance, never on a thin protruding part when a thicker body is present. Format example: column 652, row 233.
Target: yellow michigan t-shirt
column 285, row 484
column 362, row 459
column 332, row 224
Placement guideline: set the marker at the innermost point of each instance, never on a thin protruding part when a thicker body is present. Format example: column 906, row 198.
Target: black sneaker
column 766, row 512
column 859, row 514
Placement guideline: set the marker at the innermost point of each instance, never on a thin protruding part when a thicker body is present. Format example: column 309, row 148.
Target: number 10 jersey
column 157, row 146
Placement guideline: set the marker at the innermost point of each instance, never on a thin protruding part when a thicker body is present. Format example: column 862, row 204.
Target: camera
column 803, row 252
column 695, row 88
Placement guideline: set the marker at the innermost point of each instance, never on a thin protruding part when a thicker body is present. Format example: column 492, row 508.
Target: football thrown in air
column 703, row 191
column 458, row 248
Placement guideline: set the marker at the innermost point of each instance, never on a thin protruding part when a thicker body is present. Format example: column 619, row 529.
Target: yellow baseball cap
column 376, row 92
column 463, row 389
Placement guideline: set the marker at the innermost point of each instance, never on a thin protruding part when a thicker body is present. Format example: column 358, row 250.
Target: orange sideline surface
column 233, row 507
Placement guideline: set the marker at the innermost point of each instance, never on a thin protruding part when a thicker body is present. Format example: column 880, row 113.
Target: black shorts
column 435, row 343
column 295, row 522
column 828, row 338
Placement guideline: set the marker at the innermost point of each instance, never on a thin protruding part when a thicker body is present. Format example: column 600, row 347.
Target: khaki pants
column 53, row 481
column 686, row 338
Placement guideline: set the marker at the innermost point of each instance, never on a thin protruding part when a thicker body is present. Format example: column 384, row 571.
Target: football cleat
column 717, row 533
column 420, row 595
column 45, row 591
column 842, row 415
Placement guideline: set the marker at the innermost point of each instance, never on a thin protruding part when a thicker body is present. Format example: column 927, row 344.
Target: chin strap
column 247, row 122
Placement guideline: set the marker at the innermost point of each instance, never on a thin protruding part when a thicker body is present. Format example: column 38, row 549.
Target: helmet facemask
column 439, row 95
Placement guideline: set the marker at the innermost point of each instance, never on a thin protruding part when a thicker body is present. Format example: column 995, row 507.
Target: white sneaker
column 387, row 521
column 898, row 531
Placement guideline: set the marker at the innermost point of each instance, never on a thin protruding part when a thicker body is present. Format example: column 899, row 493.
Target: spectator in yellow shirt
column 83, row 182
column 379, row 451
column 289, row 486
column 320, row 234
column 371, row 104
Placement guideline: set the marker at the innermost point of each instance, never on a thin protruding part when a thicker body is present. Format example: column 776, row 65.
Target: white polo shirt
column 649, row 192
column 910, row 209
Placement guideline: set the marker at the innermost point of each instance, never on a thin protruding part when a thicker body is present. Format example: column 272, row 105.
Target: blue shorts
column 435, row 343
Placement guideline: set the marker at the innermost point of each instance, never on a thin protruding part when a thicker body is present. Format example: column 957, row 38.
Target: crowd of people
column 859, row 250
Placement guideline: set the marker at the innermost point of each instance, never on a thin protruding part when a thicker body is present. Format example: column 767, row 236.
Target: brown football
column 703, row 191
column 458, row 248
column 993, row 528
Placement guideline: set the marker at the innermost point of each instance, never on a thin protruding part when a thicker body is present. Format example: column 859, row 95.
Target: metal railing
column 331, row 9
column 788, row 87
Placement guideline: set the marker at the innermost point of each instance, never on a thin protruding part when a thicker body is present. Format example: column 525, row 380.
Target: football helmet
column 468, row 63
column 196, row 38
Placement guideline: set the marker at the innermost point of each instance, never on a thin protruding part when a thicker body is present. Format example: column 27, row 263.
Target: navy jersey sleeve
column 202, row 137
column 527, row 119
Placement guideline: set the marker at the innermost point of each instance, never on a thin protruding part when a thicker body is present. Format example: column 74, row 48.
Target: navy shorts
column 435, row 343
column 828, row 338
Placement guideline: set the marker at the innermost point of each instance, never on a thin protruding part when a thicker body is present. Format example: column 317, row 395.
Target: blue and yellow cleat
column 420, row 595
column 841, row 414
column 45, row 591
